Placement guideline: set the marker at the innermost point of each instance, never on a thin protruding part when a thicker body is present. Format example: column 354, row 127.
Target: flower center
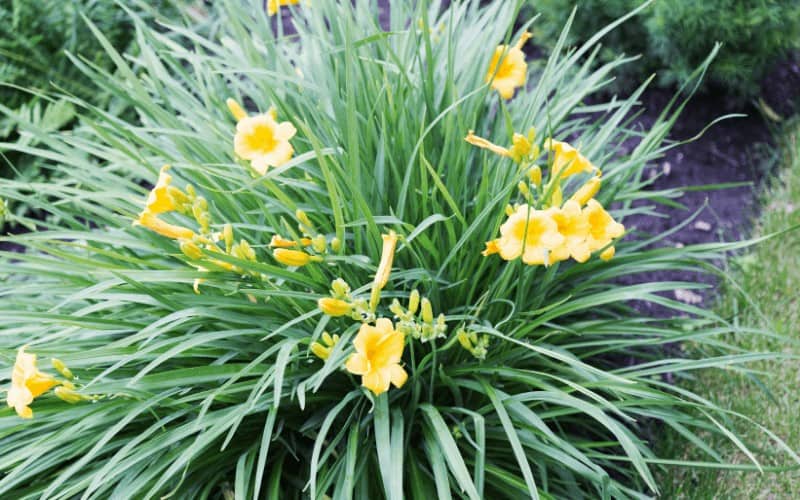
column 261, row 139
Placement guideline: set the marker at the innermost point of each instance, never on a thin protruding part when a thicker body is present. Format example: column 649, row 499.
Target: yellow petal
column 608, row 253
column 376, row 381
column 397, row 375
column 357, row 364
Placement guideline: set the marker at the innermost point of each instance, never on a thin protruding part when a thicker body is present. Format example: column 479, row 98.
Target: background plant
column 37, row 41
column 217, row 393
column 675, row 36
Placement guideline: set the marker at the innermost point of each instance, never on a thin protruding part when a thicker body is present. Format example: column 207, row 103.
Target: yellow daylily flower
column 379, row 350
column 573, row 224
column 334, row 307
column 273, row 6
column 27, row 383
column 294, row 258
column 566, row 160
column 159, row 199
column 602, row 227
column 508, row 69
column 530, row 234
column 263, row 141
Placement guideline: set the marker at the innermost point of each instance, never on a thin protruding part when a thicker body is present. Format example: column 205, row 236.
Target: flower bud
column 320, row 351
column 227, row 235
column 427, row 311
column 302, row 216
column 61, row 368
column 191, row 250
column 69, row 395
column 524, row 189
column 319, row 243
column 463, row 339
column 334, row 307
column 278, row 241
column 535, row 175
column 336, row 244
column 294, row 258
column 236, row 109
column 340, row 288
column 587, row 191
column 413, row 301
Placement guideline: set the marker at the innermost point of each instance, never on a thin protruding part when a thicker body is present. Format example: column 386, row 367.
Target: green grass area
column 770, row 276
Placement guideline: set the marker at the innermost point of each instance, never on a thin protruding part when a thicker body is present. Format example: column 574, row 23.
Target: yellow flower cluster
column 200, row 246
column 28, row 383
column 545, row 229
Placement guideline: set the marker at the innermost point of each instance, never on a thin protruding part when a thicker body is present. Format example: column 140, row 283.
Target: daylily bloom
column 512, row 70
column 159, row 199
column 573, row 224
column 379, row 350
column 602, row 227
column 566, row 160
column 263, row 141
column 27, row 383
column 528, row 233
column 274, row 5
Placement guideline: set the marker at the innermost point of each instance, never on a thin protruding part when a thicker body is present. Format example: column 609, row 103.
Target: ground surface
column 770, row 273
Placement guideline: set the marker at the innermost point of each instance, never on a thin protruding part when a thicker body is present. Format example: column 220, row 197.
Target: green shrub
column 675, row 36
column 37, row 39
column 520, row 389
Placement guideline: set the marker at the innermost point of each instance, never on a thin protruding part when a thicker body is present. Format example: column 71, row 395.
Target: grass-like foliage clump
column 329, row 291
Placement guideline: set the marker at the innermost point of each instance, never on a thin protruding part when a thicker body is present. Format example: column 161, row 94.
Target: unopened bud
column 61, row 368
column 191, row 250
column 339, row 288
column 535, row 175
column 413, row 301
column 69, row 395
column 302, row 216
column 319, row 243
column 334, row 307
column 427, row 311
column 227, row 235
column 336, row 244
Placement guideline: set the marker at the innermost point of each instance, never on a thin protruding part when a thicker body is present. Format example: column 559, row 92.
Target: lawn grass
column 770, row 275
